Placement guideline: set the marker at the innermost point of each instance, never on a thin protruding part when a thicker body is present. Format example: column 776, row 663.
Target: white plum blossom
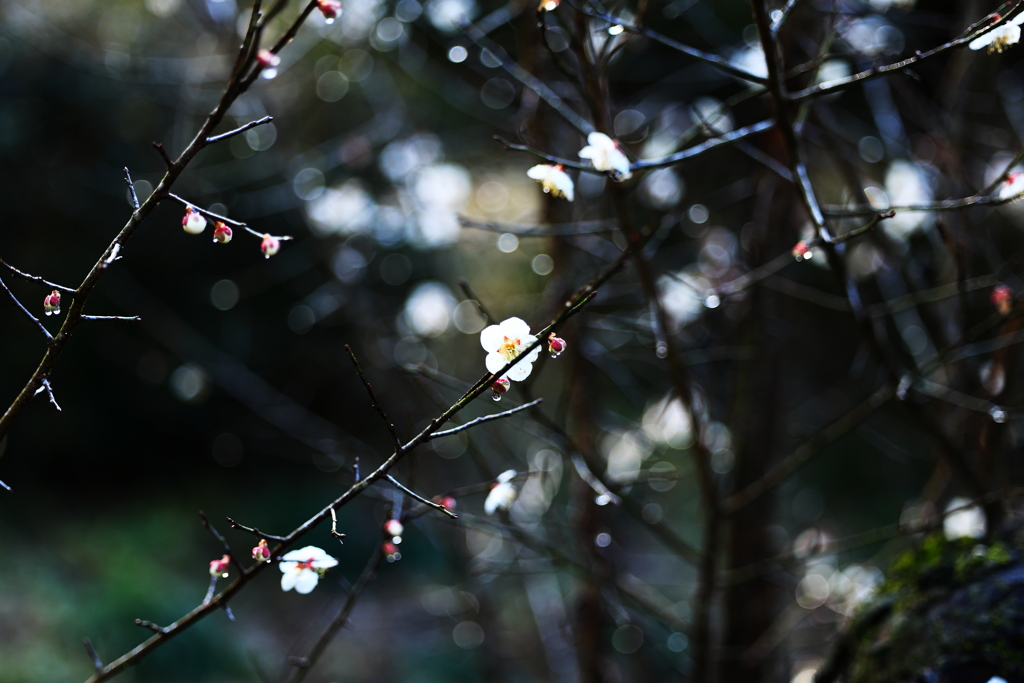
column 553, row 179
column 1012, row 186
column 1001, row 37
column 606, row 155
column 302, row 568
column 502, row 494
column 504, row 343
column 963, row 520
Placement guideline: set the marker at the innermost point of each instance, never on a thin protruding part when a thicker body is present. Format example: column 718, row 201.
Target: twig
column 240, row 129
column 4, row 486
column 150, row 625
column 714, row 60
column 989, row 22
column 223, row 541
column 224, row 219
column 49, row 390
column 129, row 318
column 36, row 279
column 486, row 418
column 530, row 81
column 373, row 398
column 334, row 526
column 163, row 155
column 131, row 188
column 35, row 320
column 255, row 532
column 801, row 455
column 593, row 482
column 412, row 494
column 91, row 651
column 471, row 295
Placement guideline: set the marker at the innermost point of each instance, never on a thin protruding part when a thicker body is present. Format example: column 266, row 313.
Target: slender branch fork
column 580, row 298
column 246, row 70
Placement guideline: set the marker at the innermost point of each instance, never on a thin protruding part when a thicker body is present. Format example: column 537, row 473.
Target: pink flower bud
column 329, row 8
column 1002, row 299
column 390, row 551
column 193, row 222
column 270, row 245
column 267, row 58
column 220, row 567
column 447, row 502
column 556, row 345
column 394, row 529
column 221, row 233
column 801, row 252
column 500, row 386
column 51, row 304
column 261, row 553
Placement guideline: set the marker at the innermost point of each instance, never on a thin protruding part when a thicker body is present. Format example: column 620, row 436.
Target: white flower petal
column 515, row 328
column 501, row 496
column 288, row 579
column 533, row 355
column 540, row 171
column 492, row 338
column 1017, row 20
column 326, row 563
column 588, row 152
column 288, row 566
column 306, row 581
column 980, row 42
column 310, row 552
column 520, row 371
column 507, row 476
column 494, row 362
column 600, row 140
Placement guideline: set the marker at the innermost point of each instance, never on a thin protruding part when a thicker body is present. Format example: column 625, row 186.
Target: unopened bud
column 329, row 8
column 221, row 233
column 390, row 551
column 261, row 553
column 801, row 252
column 267, row 58
column 394, row 529
column 193, row 222
column 447, row 502
column 556, row 345
column 270, row 245
column 1002, row 299
column 220, row 567
column 51, row 304
column 500, row 386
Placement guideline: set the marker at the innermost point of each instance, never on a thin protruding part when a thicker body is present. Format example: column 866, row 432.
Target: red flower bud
column 555, row 345
column 267, row 58
column 329, row 8
column 221, row 233
column 270, row 245
column 1002, row 299
column 220, row 567
column 447, row 502
column 51, row 304
column 801, row 252
column 261, row 553
column 500, row 386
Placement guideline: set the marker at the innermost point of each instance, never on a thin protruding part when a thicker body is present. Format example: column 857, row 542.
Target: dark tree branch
column 486, row 418
column 91, row 651
column 373, row 398
column 36, row 279
column 35, row 320
column 471, row 295
column 255, row 532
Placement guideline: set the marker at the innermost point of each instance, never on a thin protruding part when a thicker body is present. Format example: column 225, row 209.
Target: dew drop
column 329, row 21
column 496, row 396
column 998, row 414
column 269, row 74
column 712, row 301
column 661, row 351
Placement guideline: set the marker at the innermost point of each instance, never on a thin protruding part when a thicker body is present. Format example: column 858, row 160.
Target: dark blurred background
column 233, row 394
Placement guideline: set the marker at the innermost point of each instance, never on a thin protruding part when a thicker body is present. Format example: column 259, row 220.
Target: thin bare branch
column 36, row 279
column 412, row 494
column 486, row 418
column 240, row 129
column 91, row 651
column 35, row 320
column 373, row 398
column 255, row 532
